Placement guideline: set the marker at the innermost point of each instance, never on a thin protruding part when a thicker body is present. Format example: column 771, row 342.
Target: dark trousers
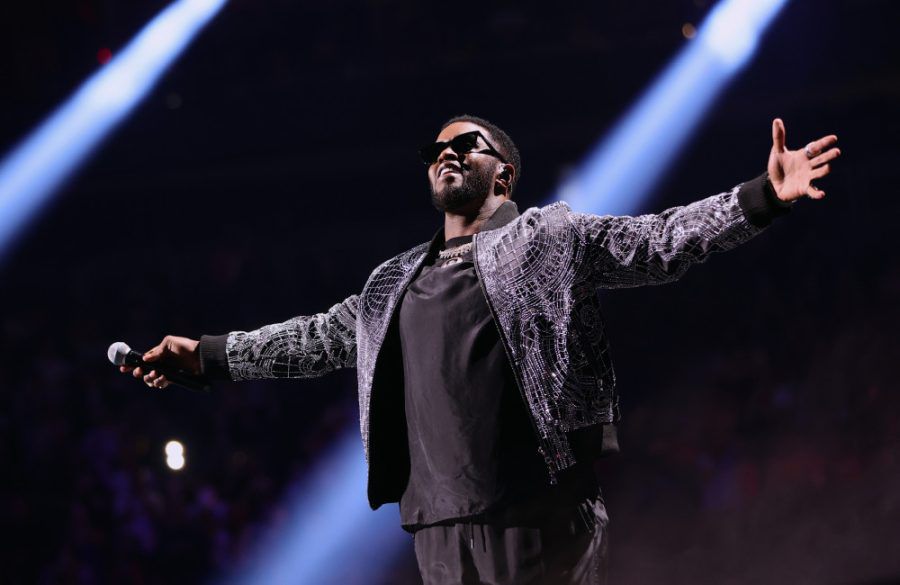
column 569, row 549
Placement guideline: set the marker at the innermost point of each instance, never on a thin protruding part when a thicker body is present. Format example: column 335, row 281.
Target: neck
column 465, row 222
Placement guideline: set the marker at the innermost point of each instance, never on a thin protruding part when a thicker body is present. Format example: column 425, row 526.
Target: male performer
column 485, row 385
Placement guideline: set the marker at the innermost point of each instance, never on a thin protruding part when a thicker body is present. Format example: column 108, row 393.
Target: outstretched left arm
column 627, row 251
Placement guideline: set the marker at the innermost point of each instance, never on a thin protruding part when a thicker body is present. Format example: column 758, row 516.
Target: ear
column 503, row 183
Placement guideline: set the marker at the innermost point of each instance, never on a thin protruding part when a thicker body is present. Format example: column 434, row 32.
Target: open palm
column 792, row 172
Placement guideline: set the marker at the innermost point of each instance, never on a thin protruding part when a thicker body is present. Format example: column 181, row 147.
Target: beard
column 474, row 187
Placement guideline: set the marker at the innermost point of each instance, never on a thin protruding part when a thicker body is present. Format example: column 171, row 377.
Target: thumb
column 778, row 133
column 154, row 354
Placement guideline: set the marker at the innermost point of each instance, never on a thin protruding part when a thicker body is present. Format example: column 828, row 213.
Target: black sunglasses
column 461, row 144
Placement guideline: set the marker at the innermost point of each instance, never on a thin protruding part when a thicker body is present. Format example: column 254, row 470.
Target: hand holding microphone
column 174, row 361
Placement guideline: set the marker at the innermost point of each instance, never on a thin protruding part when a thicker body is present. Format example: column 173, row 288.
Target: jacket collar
column 504, row 214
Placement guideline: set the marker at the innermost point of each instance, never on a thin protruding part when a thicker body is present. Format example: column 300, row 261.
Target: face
column 462, row 181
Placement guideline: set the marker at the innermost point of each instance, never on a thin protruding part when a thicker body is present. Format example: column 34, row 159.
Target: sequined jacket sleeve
column 625, row 251
column 302, row 347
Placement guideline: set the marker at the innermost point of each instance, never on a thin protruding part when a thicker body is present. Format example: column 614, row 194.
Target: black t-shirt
column 473, row 450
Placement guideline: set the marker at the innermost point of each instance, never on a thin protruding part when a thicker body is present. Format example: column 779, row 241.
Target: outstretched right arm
column 302, row 347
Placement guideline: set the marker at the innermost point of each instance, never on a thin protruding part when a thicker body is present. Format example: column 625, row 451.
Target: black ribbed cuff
column 213, row 357
column 759, row 202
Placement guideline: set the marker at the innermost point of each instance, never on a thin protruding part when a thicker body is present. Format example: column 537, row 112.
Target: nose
column 448, row 152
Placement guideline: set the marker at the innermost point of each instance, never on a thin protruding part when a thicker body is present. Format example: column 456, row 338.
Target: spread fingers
column 817, row 146
column 825, row 157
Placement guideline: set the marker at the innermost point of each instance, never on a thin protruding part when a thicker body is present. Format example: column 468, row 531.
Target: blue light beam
column 33, row 170
column 619, row 174
column 330, row 534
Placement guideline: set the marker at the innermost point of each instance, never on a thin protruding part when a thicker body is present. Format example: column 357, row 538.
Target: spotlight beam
column 34, row 169
column 330, row 534
column 622, row 170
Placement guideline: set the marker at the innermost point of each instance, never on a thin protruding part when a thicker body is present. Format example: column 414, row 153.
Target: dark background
column 275, row 165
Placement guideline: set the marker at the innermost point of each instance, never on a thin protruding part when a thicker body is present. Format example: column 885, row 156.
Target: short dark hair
column 501, row 142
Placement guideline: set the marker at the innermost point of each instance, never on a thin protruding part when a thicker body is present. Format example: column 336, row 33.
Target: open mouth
column 447, row 169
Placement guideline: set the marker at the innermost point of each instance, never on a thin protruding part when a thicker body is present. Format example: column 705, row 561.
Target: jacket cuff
column 759, row 202
column 213, row 357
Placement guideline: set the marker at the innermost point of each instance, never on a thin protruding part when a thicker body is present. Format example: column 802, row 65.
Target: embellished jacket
column 540, row 273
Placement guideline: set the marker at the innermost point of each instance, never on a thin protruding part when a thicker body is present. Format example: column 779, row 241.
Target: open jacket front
column 540, row 272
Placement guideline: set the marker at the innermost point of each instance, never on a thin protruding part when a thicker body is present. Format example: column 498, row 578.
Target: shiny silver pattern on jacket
column 379, row 299
column 302, row 347
column 540, row 273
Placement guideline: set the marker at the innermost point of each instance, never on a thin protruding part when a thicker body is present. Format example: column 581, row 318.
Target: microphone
column 121, row 355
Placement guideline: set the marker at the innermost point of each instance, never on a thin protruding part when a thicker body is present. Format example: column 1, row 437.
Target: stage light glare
column 175, row 463
column 175, row 455
column 33, row 170
column 732, row 30
column 174, row 449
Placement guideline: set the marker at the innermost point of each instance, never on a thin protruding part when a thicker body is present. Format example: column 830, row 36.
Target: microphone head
column 117, row 353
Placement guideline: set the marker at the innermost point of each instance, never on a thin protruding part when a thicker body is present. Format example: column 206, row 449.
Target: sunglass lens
column 464, row 143
column 431, row 152
column 461, row 144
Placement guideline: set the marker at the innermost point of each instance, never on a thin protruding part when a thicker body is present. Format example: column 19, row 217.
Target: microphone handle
column 177, row 377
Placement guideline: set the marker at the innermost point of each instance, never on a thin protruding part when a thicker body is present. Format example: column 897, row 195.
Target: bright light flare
column 35, row 169
column 175, row 463
column 733, row 28
column 174, row 449
column 175, row 455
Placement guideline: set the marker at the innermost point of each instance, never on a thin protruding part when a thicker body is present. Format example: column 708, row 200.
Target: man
column 485, row 386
